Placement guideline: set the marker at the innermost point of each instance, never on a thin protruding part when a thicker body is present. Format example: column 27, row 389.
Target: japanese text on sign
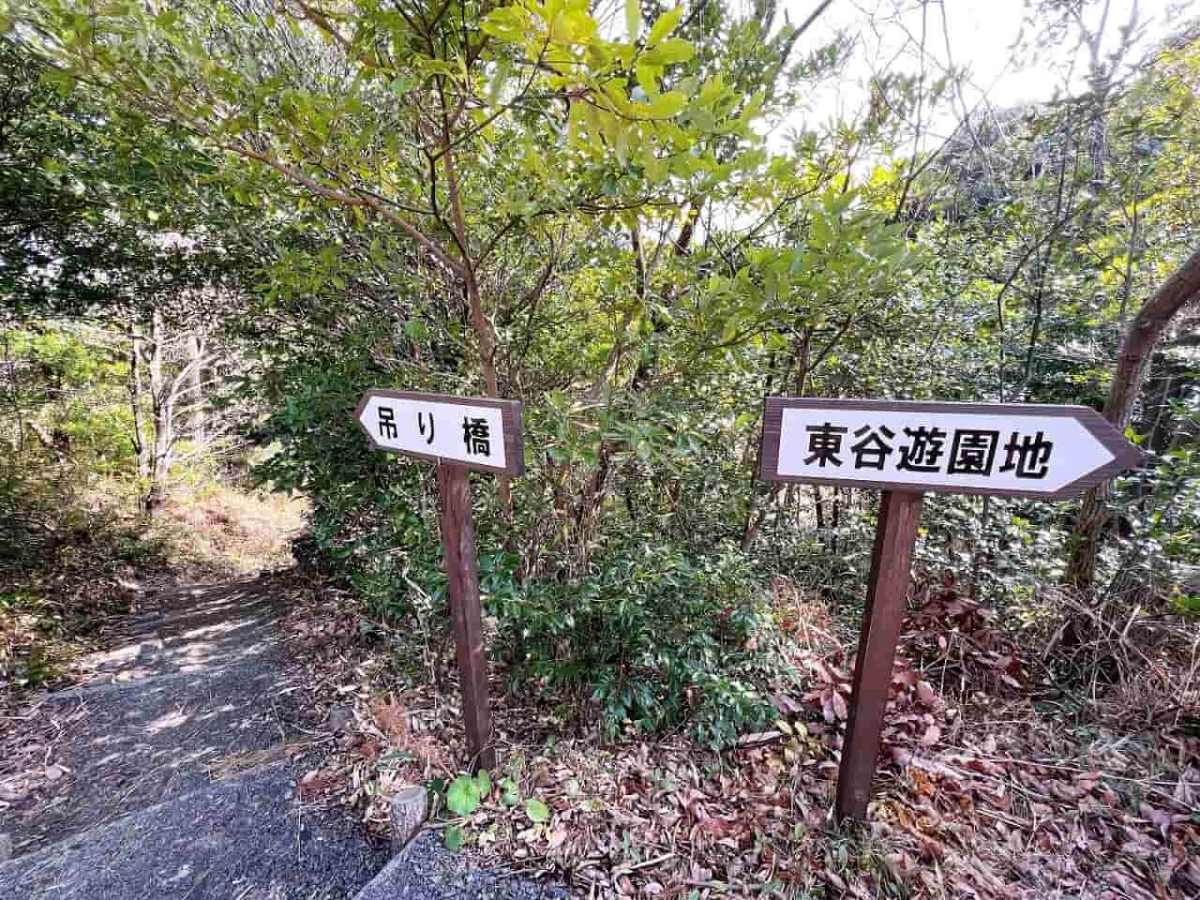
column 435, row 428
column 972, row 450
column 1018, row 450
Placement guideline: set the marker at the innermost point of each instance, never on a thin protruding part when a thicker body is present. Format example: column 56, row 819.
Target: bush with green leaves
column 656, row 636
column 658, row 633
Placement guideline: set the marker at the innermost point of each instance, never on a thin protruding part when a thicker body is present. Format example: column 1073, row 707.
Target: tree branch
column 432, row 247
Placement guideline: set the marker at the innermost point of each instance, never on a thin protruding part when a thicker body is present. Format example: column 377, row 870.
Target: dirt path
column 171, row 772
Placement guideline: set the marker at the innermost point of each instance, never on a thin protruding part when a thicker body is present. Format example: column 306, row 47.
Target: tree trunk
column 479, row 320
column 135, row 402
column 802, row 357
column 681, row 246
column 835, row 522
column 1142, row 336
column 13, row 369
column 194, row 391
column 754, row 522
column 162, row 405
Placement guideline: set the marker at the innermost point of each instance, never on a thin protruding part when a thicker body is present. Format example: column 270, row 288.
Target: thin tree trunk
column 985, row 517
column 835, row 522
column 1043, row 256
column 479, row 321
column 135, row 402
column 681, row 246
column 1158, row 441
column 801, row 353
column 614, row 355
column 194, row 392
column 1131, row 249
column 1142, row 336
column 19, row 442
column 755, row 522
column 162, row 407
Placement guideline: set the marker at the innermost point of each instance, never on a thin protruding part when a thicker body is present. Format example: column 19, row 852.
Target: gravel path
column 426, row 870
column 171, row 775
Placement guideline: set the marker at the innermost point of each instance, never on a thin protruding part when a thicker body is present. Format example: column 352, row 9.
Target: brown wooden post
column 458, row 537
column 895, row 535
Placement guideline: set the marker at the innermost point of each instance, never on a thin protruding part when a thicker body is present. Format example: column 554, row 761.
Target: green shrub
column 656, row 637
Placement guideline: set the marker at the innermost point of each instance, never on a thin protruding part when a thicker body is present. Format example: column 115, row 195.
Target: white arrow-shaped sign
column 962, row 448
column 478, row 432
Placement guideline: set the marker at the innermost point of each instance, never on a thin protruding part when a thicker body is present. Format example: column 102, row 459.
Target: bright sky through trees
column 980, row 38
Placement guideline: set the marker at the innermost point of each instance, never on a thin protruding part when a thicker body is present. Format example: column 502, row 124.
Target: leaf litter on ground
column 979, row 793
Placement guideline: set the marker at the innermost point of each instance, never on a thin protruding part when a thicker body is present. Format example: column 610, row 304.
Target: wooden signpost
column 458, row 433
column 907, row 449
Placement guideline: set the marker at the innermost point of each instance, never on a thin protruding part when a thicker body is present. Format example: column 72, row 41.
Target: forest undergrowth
column 1008, row 769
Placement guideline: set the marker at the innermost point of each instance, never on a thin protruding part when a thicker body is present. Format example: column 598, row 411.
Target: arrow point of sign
column 1125, row 453
column 1131, row 457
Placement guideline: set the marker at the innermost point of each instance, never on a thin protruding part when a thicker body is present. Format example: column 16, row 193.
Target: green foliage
column 454, row 837
column 1186, row 604
column 510, row 794
column 90, row 216
column 520, row 198
column 619, row 576
column 69, row 385
column 466, row 793
column 1169, row 499
column 656, row 636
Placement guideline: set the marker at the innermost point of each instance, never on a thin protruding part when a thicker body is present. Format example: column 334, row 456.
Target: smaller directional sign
column 961, row 448
column 458, row 433
column 480, row 433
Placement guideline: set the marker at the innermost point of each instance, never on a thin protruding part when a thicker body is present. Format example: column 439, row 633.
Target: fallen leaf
column 759, row 738
column 839, row 705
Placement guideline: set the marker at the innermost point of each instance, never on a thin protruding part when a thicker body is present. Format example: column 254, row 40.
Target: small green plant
column 465, row 793
column 1186, row 604
column 537, row 811
column 454, row 837
column 510, row 793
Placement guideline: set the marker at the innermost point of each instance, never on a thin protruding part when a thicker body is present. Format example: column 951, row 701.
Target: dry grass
column 213, row 526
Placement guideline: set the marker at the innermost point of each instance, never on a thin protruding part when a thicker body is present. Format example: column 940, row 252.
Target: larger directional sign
column 907, row 449
column 961, row 448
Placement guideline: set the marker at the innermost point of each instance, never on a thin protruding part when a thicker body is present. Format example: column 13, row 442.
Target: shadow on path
column 136, row 806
